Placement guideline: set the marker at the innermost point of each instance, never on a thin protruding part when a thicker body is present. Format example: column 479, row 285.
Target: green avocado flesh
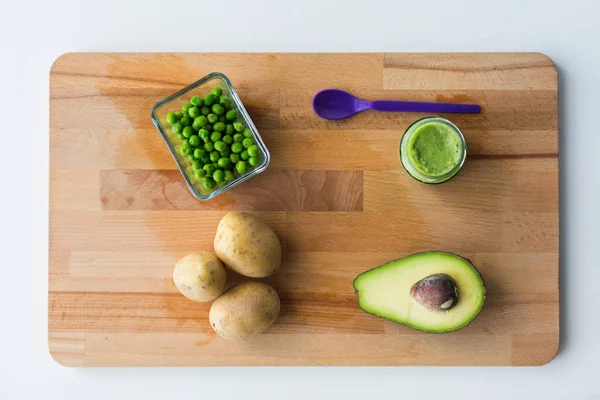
column 385, row 291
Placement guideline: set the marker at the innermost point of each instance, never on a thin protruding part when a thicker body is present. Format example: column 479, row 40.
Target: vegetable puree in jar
column 432, row 150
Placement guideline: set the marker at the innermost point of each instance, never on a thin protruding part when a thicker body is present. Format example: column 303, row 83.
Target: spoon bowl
column 335, row 104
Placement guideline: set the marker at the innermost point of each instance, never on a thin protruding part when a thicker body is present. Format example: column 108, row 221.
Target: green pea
column 247, row 142
column 219, row 126
column 187, row 132
column 222, row 119
column 212, row 118
column 215, row 136
column 209, row 168
column 209, row 182
column 178, row 114
column 220, row 146
column 226, row 152
column 238, row 138
column 217, row 109
column 172, row 118
column 219, row 176
column 240, row 167
column 216, row 165
column 253, row 150
column 208, row 146
column 209, row 100
column 236, row 147
column 217, row 92
column 234, row 157
column 177, row 127
column 224, row 162
column 227, row 139
column 231, row 115
column 225, row 101
column 228, row 176
column 196, row 101
column 229, row 129
column 194, row 112
column 180, row 136
column 191, row 157
column 207, row 138
column 247, row 133
column 253, row 161
column 202, row 120
column 205, row 160
column 199, row 174
column 244, row 155
column 185, row 108
column 214, row 156
column 186, row 120
column 205, row 110
column 199, row 122
column 209, row 127
column 238, row 126
column 185, row 148
column 194, row 140
column 196, row 164
column 199, row 153
column 203, row 133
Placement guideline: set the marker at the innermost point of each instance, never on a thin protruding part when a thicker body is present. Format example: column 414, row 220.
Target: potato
column 247, row 245
column 200, row 276
column 244, row 310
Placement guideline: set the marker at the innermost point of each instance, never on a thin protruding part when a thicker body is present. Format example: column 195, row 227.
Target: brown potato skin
column 244, row 310
column 247, row 245
column 200, row 276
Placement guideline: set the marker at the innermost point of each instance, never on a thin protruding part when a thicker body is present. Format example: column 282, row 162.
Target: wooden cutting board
column 335, row 193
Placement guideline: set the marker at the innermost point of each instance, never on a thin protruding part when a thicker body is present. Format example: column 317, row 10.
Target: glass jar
column 433, row 150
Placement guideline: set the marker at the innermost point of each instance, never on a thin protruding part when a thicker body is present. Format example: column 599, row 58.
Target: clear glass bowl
column 413, row 170
column 174, row 103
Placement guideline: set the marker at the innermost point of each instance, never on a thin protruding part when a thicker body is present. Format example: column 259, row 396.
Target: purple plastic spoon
column 336, row 104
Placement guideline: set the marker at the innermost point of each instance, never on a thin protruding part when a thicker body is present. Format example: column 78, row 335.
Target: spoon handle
column 416, row 106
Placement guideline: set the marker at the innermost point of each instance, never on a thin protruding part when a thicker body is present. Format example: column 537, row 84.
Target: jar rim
column 420, row 175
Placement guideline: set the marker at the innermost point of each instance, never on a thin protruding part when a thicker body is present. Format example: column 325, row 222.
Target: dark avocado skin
column 357, row 293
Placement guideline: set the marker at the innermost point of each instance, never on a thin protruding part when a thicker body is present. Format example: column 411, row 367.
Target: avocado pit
column 436, row 292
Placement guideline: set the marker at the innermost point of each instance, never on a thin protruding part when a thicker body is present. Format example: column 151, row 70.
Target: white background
column 34, row 33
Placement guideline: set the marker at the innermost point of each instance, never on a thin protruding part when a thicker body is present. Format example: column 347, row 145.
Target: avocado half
column 385, row 291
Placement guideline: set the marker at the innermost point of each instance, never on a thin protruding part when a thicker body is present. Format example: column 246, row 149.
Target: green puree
column 434, row 148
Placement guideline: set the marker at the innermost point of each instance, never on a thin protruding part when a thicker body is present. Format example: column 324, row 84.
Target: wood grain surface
column 335, row 193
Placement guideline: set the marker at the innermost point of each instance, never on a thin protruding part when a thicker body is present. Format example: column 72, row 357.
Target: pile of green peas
column 218, row 144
